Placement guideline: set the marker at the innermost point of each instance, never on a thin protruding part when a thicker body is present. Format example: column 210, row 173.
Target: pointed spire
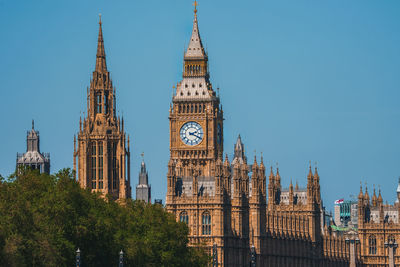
column 195, row 49
column 366, row 195
column 310, row 174
column 278, row 177
column 380, row 199
column 297, row 186
column 361, row 195
column 101, row 65
column 262, row 162
column 142, row 165
column 226, row 162
column 374, row 198
column 239, row 156
column 316, row 173
column 271, row 174
column 255, row 165
column 33, row 124
column 271, row 177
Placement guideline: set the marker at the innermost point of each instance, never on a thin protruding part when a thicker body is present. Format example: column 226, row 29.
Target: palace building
column 102, row 147
column 234, row 207
column 223, row 202
column 378, row 229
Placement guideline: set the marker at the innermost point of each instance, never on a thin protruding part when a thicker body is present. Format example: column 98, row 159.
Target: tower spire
column 101, row 65
column 195, row 49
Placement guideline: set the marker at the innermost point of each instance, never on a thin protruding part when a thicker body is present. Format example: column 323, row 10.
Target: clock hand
column 194, row 134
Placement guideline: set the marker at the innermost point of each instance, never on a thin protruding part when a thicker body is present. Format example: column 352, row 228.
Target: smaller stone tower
column 143, row 189
column 33, row 158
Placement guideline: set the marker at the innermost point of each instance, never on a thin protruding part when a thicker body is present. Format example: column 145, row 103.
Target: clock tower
column 196, row 117
column 198, row 178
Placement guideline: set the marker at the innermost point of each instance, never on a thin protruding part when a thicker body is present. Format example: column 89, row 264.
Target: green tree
column 45, row 218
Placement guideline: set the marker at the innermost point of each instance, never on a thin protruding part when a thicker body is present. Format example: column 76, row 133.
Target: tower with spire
column 33, row 158
column 223, row 203
column 143, row 189
column 198, row 180
column 196, row 117
column 101, row 146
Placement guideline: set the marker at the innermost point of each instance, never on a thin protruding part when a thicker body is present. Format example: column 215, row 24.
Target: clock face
column 191, row 133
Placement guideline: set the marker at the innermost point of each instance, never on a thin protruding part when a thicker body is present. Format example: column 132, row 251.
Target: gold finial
column 195, row 6
column 100, row 18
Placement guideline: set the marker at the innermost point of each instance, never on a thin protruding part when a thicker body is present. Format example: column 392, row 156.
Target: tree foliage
column 45, row 218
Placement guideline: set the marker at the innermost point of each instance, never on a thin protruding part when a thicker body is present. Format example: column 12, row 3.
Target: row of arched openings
column 205, row 221
column 191, row 108
column 193, row 69
column 372, row 246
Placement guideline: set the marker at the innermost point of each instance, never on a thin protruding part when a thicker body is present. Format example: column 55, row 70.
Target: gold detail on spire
column 100, row 18
column 195, row 6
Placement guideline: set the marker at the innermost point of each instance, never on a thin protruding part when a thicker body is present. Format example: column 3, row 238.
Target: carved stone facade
column 378, row 230
column 225, row 203
column 103, row 149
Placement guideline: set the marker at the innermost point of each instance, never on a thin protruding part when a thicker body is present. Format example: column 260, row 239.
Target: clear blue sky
column 300, row 80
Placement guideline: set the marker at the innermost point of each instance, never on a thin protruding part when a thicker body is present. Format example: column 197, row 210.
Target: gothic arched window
column 98, row 103
column 372, row 245
column 100, row 157
column 106, row 103
column 184, row 217
column 93, row 159
column 391, row 239
column 206, row 223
